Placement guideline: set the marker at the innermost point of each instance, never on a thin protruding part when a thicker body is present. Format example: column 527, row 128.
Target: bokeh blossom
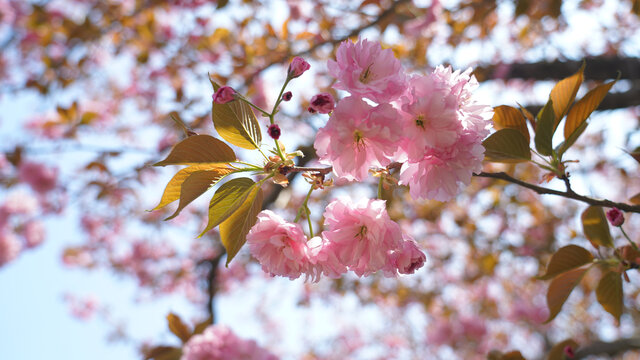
column 218, row 342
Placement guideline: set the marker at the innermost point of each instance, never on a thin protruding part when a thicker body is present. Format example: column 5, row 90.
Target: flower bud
column 224, row 95
column 323, row 103
column 568, row 352
column 311, row 110
column 615, row 217
column 287, row 96
column 297, row 67
column 274, row 131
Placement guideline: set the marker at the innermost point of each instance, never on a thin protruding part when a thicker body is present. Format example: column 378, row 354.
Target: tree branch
column 607, row 348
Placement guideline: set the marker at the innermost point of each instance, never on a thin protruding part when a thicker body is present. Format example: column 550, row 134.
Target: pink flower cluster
column 19, row 226
column 360, row 237
column 430, row 123
column 218, row 342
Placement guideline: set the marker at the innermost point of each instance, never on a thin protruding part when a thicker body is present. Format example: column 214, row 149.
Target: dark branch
column 608, row 348
column 212, row 286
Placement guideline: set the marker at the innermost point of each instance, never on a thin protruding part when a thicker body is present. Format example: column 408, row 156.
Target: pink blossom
column 406, row 259
column 224, row 94
column 42, row 179
column 218, row 342
column 34, row 233
column 361, row 235
column 83, row 309
column 322, row 103
column 9, row 247
column 297, row 67
column 615, row 217
column 20, row 202
column 278, row 245
column 323, row 259
column 365, row 70
column 441, row 173
column 357, row 137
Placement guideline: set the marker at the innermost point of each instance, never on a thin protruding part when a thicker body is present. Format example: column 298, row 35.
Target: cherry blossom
column 218, row 342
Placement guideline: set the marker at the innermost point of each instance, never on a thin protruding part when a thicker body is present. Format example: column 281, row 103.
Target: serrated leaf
column 236, row 123
column 596, row 227
column 163, row 353
column 565, row 259
column 563, row 94
column 174, row 187
column 507, row 145
column 227, row 199
column 196, row 184
column 609, row 294
column 178, row 327
column 635, row 199
column 199, row 149
column 509, row 117
column 560, row 289
column 583, row 108
column 545, row 127
column 234, row 230
column 557, row 351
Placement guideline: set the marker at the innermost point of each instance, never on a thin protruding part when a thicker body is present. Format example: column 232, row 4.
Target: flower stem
column 307, row 212
column 635, row 246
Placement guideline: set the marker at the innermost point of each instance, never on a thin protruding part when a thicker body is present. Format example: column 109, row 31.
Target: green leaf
column 563, row 94
column 196, row 184
column 508, row 146
column 199, row 149
column 227, row 199
column 596, row 227
column 609, row 294
column 560, row 289
column 557, row 351
column 178, row 327
column 545, row 127
column 234, row 230
column 582, row 109
column 174, row 187
column 508, row 117
column 565, row 259
column 236, row 123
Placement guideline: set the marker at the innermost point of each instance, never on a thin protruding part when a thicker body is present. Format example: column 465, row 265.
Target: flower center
column 362, row 232
column 358, row 139
column 420, row 120
column 366, row 75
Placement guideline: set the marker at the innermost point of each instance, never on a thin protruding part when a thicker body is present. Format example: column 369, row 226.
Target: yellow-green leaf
column 595, row 227
column 174, row 187
column 545, row 127
column 227, row 200
column 509, row 117
column 234, row 230
column 236, row 123
column 581, row 110
column 163, row 353
column 178, row 327
column 565, row 259
column 196, row 184
column 609, row 294
column 508, row 146
column 199, row 149
column 557, row 351
column 564, row 92
column 560, row 289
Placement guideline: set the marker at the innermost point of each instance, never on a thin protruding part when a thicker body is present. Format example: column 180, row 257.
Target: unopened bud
column 568, row 352
column 274, row 131
column 311, row 110
column 615, row 217
column 224, row 95
column 287, row 96
column 297, row 67
column 323, row 103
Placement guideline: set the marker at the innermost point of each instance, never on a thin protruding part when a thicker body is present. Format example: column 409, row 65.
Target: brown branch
column 567, row 194
column 212, row 286
column 608, row 348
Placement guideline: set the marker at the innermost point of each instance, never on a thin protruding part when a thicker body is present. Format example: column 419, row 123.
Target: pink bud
column 568, row 352
column 323, row 103
column 224, row 95
column 615, row 216
column 297, row 67
column 287, row 96
column 274, row 131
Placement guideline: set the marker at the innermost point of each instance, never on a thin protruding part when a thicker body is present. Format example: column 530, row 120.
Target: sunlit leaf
column 509, row 117
column 227, row 199
column 557, row 351
column 174, row 187
column 565, row 145
column 236, row 123
column 596, row 227
column 196, row 184
column 163, row 353
column 178, row 327
column 199, row 149
column 560, row 289
column 234, row 230
column 545, row 127
column 581, row 110
column 609, row 293
column 635, row 199
column 563, row 94
column 201, row 326
column 565, row 259
column 507, row 145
